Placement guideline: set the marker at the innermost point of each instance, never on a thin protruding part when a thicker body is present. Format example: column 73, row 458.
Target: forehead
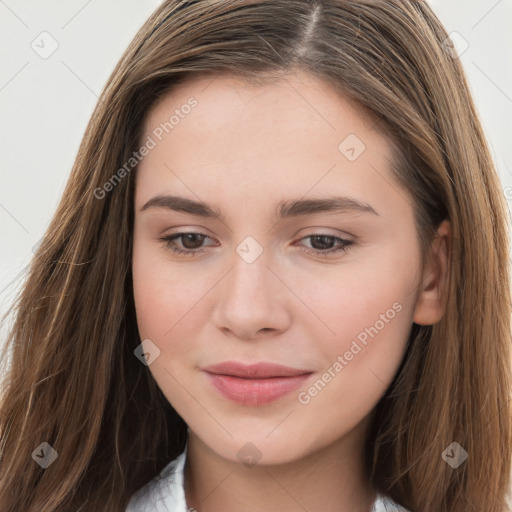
column 226, row 100
column 270, row 140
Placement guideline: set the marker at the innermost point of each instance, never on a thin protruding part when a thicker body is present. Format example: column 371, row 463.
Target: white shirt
column 166, row 493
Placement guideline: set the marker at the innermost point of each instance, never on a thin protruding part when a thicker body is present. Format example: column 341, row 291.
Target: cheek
column 167, row 310
column 348, row 300
column 167, row 303
column 366, row 314
column 367, row 332
column 360, row 361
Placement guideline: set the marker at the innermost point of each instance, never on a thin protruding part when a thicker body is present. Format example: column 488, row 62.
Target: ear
column 431, row 302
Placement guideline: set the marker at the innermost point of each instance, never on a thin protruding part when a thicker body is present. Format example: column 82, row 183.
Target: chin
column 258, row 448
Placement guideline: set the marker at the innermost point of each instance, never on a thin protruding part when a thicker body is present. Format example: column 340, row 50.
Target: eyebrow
column 284, row 209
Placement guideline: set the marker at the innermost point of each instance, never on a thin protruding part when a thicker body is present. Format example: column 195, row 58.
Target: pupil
column 326, row 242
column 189, row 237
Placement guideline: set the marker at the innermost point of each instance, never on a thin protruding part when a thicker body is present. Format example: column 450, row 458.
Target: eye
column 192, row 242
column 325, row 242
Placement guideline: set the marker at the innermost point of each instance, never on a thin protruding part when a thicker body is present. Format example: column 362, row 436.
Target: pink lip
column 255, row 384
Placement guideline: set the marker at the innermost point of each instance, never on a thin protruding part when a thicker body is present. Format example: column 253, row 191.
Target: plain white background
column 45, row 103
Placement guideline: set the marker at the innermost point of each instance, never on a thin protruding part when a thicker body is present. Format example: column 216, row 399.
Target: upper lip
column 259, row 370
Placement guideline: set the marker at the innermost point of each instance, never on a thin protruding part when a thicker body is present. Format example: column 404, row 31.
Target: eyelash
column 168, row 240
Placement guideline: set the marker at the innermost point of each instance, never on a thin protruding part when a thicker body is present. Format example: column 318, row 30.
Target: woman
column 280, row 265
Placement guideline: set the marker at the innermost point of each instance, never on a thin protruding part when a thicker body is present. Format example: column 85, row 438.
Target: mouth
column 255, row 384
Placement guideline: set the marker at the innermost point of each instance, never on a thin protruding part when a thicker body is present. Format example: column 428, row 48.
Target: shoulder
column 165, row 492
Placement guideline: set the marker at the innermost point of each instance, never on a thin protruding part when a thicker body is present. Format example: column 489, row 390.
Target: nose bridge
column 249, row 299
column 250, row 277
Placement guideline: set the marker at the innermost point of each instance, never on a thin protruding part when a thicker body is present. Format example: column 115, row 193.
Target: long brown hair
column 72, row 379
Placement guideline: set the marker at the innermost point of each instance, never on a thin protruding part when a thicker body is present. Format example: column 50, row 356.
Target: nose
column 251, row 301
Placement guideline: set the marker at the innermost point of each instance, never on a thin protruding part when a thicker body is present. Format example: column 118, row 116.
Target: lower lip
column 256, row 391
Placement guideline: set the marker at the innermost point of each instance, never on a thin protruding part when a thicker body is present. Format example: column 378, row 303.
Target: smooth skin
column 243, row 149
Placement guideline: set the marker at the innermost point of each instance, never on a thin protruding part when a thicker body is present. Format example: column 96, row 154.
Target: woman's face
column 279, row 273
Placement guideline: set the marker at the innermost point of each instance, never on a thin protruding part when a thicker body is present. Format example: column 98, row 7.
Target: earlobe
column 430, row 306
